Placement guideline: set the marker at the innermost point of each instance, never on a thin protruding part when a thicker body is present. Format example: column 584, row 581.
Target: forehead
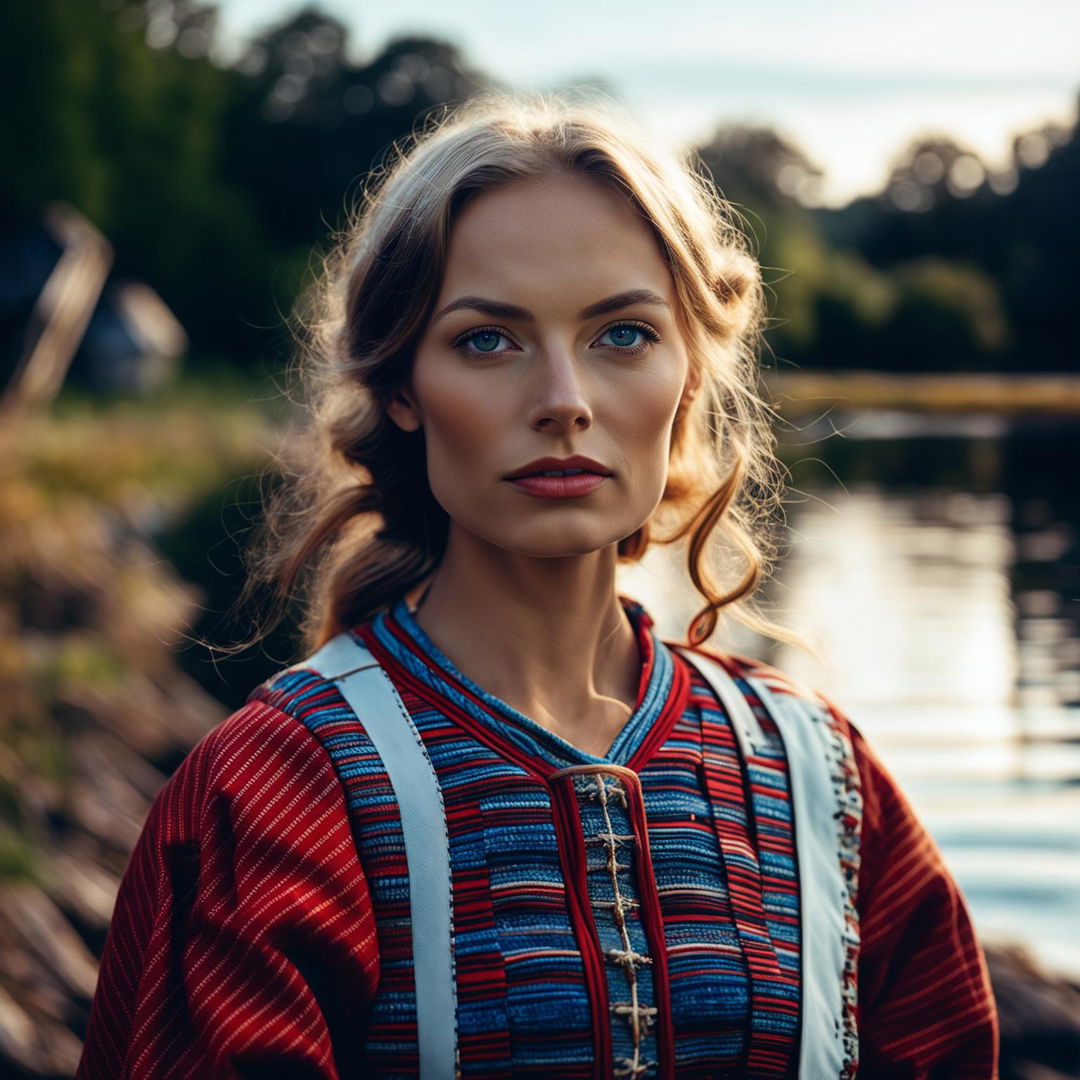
column 560, row 234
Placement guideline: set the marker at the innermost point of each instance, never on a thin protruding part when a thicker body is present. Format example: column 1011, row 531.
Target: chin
column 561, row 542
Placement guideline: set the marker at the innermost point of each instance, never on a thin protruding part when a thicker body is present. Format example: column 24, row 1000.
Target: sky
column 850, row 81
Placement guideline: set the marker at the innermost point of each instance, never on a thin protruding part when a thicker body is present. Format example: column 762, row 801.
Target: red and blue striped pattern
column 262, row 923
column 532, row 1000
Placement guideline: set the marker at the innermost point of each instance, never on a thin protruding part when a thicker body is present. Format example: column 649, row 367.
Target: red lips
column 560, row 478
column 577, row 464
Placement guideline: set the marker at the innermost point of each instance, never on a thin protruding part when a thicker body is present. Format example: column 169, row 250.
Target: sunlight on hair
column 356, row 527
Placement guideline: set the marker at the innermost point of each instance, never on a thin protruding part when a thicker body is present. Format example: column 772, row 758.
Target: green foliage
column 81, row 659
column 831, row 306
column 851, row 307
column 212, row 183
column 923, row 315
column 795, row 268
column 947, row 316
column 52, row 52
column 1018, row 227
column 18, row 859
column 215, row 183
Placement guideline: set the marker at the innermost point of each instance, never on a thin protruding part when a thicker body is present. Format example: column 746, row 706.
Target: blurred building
column 133, row 342
column 62, row 316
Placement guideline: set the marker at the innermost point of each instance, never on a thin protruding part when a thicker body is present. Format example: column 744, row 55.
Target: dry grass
column 796, row 393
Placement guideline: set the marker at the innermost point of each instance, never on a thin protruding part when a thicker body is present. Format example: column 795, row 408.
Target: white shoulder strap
column 371, row 695
column 822, row 889
column 743, row 721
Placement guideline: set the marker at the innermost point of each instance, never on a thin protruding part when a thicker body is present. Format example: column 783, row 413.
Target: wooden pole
column 62, row 312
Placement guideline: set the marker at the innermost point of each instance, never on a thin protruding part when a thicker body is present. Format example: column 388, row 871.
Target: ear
column 690, row 388
column 403, row 409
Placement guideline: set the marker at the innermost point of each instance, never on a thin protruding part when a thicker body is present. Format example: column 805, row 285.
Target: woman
column 494, row 825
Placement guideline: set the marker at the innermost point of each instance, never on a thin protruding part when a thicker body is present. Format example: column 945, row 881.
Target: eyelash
column 652, row 337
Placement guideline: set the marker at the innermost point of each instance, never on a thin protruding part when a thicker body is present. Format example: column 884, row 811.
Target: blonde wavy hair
column 355, row 526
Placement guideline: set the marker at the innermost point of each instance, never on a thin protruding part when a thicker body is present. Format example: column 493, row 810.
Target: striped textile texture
column 634, row 915
column 570, row 1003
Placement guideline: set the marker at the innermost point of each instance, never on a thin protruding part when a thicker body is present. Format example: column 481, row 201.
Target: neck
column 548, row 636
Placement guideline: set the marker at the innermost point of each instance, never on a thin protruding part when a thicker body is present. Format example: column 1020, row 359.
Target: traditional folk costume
column 375, row 869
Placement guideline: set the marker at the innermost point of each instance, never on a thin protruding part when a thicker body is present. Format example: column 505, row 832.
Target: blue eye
column 624, row 335
column 484, row 340
column 628, row 336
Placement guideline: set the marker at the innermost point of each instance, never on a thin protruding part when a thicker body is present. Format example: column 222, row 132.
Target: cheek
column 645, row 417
column 458, row 426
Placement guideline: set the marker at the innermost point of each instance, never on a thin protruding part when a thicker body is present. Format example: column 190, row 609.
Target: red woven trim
column 572, row 856
column 662, row 727
column 653, row 920
column 726, row 788
column 535, row 767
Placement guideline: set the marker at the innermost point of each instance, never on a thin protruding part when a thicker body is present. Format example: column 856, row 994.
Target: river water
column 935, row 568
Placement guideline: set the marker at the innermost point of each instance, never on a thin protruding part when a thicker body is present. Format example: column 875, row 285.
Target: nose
column 561, row 403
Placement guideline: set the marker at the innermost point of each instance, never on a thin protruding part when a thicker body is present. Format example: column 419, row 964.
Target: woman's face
column 555, row 337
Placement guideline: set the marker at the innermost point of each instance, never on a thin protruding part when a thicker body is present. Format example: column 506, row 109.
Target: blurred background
column 170, row 171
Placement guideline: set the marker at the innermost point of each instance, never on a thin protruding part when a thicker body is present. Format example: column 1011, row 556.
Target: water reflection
column 907, row 596
column 938, row 577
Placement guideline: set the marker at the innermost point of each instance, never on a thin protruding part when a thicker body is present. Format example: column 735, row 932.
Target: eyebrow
column 497, row 309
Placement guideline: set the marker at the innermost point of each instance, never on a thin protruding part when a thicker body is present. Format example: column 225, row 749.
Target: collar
column 401, row 644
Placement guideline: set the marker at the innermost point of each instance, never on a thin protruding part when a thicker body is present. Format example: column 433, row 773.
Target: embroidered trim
column 640, row 1017
column 846, row 785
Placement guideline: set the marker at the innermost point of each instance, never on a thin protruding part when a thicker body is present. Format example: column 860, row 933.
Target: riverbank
column 796, row 393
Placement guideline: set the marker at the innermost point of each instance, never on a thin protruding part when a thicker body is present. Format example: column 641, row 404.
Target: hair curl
column 355, row 526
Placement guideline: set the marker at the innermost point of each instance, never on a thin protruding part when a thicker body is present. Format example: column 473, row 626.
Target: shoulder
column 854, row 767
column 755, row 674
column 886, row 817
column 260, row 753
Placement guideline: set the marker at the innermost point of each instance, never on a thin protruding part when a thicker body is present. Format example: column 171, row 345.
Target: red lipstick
column 560, row 478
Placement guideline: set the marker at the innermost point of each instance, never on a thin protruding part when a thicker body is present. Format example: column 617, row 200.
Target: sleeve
column 242, row 943
column 926, row 1009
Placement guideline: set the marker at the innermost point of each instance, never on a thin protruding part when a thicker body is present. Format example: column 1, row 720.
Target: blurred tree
column 947, row 316
column 304, row 122
column 851, row 307
column 932, row 169
column 770, row 183
column 761, row 168
column 927, row 314
column 121, row 114
column 49, row 61
column 1035, row 237
column 1020, row 225
column 212, row 183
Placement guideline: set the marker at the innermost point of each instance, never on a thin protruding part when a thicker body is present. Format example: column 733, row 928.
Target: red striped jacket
column 248, row 861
